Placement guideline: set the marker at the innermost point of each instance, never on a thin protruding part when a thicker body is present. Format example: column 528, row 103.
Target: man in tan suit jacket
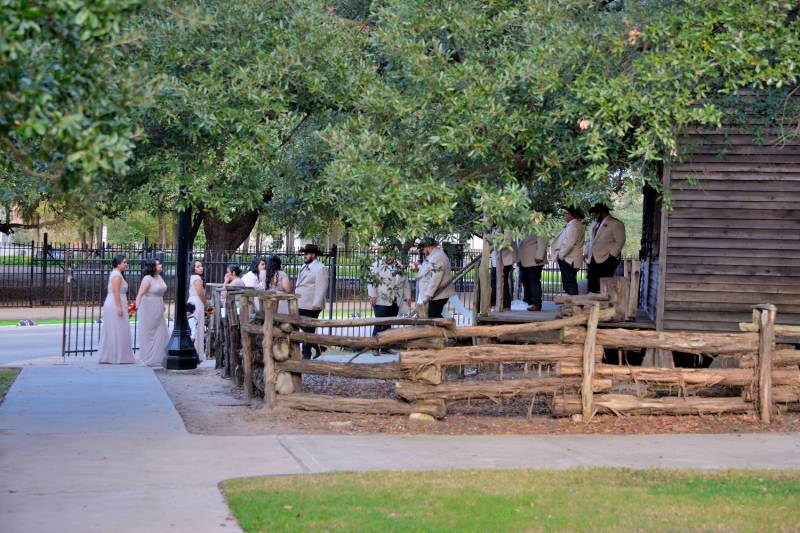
column 510, row 257
column 606, row 240
column 532, row 252
column 567, row 248
column 312, row 286
column 440, row 277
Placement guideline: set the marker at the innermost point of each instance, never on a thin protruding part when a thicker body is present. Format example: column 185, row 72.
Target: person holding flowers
column 115, row 333
column 153, row 334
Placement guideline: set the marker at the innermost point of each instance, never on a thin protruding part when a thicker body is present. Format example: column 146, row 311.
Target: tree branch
column 20, row 157
column 294, row 130
column 8, row 227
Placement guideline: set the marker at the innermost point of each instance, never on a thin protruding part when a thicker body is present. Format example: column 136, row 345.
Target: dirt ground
column 210, row 405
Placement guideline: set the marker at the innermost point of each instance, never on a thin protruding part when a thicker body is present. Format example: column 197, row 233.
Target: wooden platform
column 548, row 312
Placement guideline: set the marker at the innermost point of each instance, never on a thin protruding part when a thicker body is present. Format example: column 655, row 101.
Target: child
column 190, row 308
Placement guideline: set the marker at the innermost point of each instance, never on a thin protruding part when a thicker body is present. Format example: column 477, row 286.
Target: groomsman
column 567, row 248
column 510, row 257
column 312, row 286
column 385, row 296
column 532, row 252
column 440, row 276
column 606, row 240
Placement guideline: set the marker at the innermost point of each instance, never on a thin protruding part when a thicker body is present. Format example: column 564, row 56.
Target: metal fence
column 34, row 276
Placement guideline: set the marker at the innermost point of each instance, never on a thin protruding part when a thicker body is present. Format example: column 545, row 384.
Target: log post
column 617, row 290
column 247, row 345
column 499, row 267
column 766, row 339
column 588, row 363
column 294, row 350
column 633, row 293
column 270, row 373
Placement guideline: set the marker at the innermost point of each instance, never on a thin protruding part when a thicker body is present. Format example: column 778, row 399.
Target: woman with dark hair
column 233, row 278
column 197, row 295
column 277, row 280
column 252, row 278
column 150, row 306
column 115, row 333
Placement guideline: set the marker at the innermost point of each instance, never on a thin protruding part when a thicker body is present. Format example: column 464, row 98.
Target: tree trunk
column 162, row 232
column 227, row 236
column 83, row 238
column 174, row 231
column 98, row 234
column 36, row 231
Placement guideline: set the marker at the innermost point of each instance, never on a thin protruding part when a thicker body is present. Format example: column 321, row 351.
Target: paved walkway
column 97, row 448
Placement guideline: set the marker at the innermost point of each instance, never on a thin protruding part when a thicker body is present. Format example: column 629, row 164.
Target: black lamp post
column 180, row 351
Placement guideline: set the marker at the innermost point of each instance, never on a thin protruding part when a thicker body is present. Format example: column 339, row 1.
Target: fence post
column 332, row 283
column 587, row 388
column 766, row 338
column 270, row 372
column 64, row 325
column 32, row 258
column 45, row 249
column 294, row 349
column 247, row 351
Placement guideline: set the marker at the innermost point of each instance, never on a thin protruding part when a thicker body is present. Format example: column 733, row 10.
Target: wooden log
column 617, row 290
column 395, row 335
column 247, row 346
column 698, row 343
column 779, row 395
column 421, row 344
column 380, row 406
column 626, row 404
column 780, row 330
column 780, row 359
column 764, row 364
column 294, row 349
column 269, row 295
column 595, row 297
column 280, row 350
column 308, row 322
column 588, row 363
column 496, row 354
column 345, row 370
column 529, row 327
column 633, row 292
column 492, row 389
column 270, row 373
column 705, row 377
column 430, row 375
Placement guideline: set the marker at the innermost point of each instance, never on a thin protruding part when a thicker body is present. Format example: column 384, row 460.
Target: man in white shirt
column 312, row 287
column 532, row 253
column 567, row 248
column 389, row 288
column 606, row 240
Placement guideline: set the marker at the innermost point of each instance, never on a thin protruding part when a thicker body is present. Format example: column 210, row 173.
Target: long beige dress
column 115, row 333
column 283, row 305
column 153, row 333
column 200, row 315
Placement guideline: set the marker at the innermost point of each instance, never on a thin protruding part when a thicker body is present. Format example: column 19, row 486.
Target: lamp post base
column 180, row 352
column 176, row 362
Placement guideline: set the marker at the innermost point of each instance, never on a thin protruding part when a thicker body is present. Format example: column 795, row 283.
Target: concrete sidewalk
column 87, row 447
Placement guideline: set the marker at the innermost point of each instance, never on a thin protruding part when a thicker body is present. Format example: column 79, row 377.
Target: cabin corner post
column 294, row 349
column 766, row 339
column 587, row 387
column 247, row 349
column 270, row 372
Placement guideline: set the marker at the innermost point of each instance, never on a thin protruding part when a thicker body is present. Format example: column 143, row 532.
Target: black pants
column 507, row 270
column 384, row 311
column 306, row 348
column 435, row 307
column 569, row 277
column 595, row 271
column 531, row 278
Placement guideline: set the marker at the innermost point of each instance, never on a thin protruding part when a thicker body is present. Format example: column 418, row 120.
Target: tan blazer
column 531, row 248
column 509, row 250
column 440, row 275
column 568, row 245
column 609, row 241
column 312, row 285
column 393, row 287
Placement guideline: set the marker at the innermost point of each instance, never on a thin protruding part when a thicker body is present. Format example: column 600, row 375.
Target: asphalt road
column 19, row 343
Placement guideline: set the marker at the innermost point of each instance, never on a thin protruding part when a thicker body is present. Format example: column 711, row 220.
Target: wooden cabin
column 731, row 240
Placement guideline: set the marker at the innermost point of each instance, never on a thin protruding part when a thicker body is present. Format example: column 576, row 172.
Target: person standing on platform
column 312, row 287
column 567, row 248
column 440, row 277
column 510, row 257
column 606, row 240
column 532, row 252
column 385, row 296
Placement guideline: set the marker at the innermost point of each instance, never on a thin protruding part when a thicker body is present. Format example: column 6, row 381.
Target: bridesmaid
column 278, row 281
column 151, row 307
column 115, row 336
column 197, row 295
column 253, row 279
column 233, row 278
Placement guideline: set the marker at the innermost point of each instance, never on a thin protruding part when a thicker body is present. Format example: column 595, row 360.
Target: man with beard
column 606, row 240
column 312, row 287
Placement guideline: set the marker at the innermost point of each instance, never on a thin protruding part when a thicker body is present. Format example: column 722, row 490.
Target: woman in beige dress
column 115, row 333
column 254, row 280
column 278, row 281
column 150, row 306
column 197, row 295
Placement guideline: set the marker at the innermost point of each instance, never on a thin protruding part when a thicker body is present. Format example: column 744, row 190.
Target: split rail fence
column 261, row 352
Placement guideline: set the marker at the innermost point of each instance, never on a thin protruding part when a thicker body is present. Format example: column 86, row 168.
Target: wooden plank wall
column 733, row 240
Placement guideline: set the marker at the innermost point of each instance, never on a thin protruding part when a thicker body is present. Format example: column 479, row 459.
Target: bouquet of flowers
column 131, row 309
column 414, row 267
column 210, row 309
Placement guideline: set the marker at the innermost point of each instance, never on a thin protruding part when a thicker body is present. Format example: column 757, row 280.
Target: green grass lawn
column 7, row 377
column 593, row 500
